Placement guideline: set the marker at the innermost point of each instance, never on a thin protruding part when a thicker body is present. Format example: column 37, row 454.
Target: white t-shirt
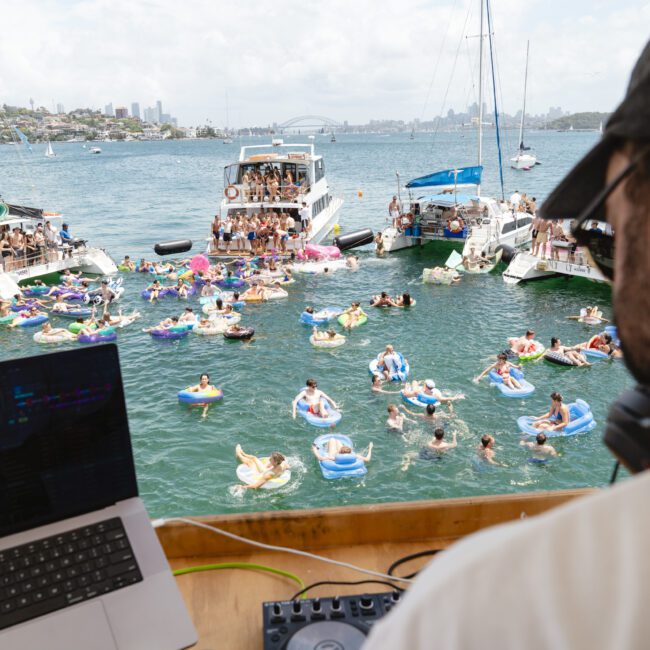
column 576, row 577
column 515, row 200
column 305, row 213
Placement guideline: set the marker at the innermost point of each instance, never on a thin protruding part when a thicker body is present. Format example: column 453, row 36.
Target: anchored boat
column 302, row 179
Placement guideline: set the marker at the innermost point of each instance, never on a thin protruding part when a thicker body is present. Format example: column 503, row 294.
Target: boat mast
column 523, row 111
column 480, row 96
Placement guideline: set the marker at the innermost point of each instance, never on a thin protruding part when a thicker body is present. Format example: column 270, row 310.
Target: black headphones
column 627, row 432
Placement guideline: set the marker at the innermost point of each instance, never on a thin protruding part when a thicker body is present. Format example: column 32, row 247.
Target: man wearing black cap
column 578, row 576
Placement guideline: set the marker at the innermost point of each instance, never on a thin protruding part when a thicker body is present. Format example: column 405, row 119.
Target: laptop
column 80, row 564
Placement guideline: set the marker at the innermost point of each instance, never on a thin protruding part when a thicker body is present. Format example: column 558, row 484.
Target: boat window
column 303, row 177
column 230, row 175
column 320, row 169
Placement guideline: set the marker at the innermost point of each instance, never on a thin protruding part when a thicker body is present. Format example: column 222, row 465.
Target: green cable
column 241, row 565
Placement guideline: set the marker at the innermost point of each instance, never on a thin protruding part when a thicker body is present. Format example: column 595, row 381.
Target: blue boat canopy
column 448, row 200
column 464, row 176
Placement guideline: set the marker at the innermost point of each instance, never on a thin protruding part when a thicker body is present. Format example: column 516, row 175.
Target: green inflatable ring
column 75, row 328
column 343, row 320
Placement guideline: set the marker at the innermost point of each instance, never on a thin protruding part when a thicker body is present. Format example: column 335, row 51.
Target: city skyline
column 409, row 61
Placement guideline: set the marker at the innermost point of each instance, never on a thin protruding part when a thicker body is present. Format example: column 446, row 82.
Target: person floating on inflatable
column 383, row 300
column 203, row 386
column 336, row 447
column 273, row 468
column 502, row 367
column 601, row 342
column 571, row 353
column 428, row 389
column 525, row 345
column 390, row 363
column 315, row 400
column 352, row 316
column 556, row 418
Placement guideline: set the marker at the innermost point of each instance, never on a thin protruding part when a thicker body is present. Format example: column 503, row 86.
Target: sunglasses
column 594, row 234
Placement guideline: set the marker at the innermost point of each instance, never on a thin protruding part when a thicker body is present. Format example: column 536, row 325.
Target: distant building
column 135, row 110
column 60, row 109
column 554, row 112
column 121, row 112
column 165, row 118
column 108, row 110
column 159, row 112
column 149, row 115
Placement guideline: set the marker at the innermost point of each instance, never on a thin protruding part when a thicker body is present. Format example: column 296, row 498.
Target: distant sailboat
column 523, row 160
column 412, row 134
column 49, row 153
column 333, row 138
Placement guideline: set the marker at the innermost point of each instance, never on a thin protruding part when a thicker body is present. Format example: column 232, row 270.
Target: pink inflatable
column 315, row 251
column 199, row 263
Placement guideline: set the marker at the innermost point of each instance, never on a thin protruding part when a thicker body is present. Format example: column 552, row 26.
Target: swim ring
column 75, row 328
column 229, row 283
column 247, row 475
column 344, row 319
column 82, row 312
column 32, row 320
column 581, row 420
column 35, row 291
column 343, row 465
column 535, row 351
column 175, row 332
column 276, row 294
column 201, row 397
column 327, row 343
column 9, row 318
column 333, row 417
column 526, row 387
column 559, row 359
column 100, row 336
column 594, row 354
column 243, row 334
column 320, row 317
column 421, row 399
column 57, row 337
column 399, row 373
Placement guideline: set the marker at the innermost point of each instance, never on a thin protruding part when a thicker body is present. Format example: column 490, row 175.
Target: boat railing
column 266, row 192
column 28, row 258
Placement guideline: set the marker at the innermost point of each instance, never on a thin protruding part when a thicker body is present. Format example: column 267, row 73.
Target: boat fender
column 354, row 239
column 173, row 247
column 507, row 253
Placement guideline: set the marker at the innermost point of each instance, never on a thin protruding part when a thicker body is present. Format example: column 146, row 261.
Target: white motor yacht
column 308, row 184
column 75, row 255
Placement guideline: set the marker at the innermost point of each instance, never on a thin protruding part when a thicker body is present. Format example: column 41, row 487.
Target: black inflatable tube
column 173, row 247
column 559, row 361
column 243, row 334
column 354, row 239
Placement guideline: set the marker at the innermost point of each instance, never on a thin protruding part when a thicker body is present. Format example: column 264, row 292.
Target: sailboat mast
column 480, row 96
column 523, row 111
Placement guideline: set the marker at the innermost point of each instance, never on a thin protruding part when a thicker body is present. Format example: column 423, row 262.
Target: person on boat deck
column 128, row 263
column 556, row 418
column 594, row 547
column 570, row 353
column 394, row 210
column 515, row 200
column 429, row 389
column 273, row 468
column 541, row 240
column 336, row 447
column 531, row 206
column 329, row 335
column 305, row 218
column 540, row 447
column 404, row 300
column 557, row 235
column 502, row 367
column 524, row 344
column 438, row 444
column 486, row 451
column 375, row 386
column 315, row 400
column 389, row 362
column 395, row 418
column 382, row 300
column 406, row 221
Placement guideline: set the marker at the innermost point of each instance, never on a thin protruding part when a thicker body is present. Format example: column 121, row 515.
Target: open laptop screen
column 65, row 447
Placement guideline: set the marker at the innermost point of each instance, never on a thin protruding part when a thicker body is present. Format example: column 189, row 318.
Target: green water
column 186, row 464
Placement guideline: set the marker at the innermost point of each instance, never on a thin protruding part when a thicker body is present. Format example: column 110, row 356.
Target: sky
column 254, row 63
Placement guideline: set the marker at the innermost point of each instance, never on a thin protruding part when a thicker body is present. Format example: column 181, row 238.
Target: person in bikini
column 571, row 353
column 502, row 367
column 556, row 418
column 315, row 400
column 273, row 468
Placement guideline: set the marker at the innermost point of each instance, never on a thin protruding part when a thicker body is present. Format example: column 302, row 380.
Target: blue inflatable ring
column 204, row 397
column 333, row 417
column 526, row 387
column 401, row 374
column 581, row 421
column 344, row 465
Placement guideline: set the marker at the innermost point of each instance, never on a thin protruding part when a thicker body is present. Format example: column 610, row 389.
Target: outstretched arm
column 329, row 399
column 454, row 441
column 368, row 456
column 485, row 372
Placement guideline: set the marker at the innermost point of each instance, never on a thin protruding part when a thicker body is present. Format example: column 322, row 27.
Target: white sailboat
column 49, row 153
column 524, row 159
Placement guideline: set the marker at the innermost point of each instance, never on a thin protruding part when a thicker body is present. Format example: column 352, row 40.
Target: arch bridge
column 310, row 121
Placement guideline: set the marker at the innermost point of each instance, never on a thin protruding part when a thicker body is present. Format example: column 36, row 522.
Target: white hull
column 525, row 266
column 523, row 161
column 89, row 260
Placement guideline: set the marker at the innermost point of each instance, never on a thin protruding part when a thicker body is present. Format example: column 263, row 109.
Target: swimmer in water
column 273, row 468
column 395, row 418
column 375, row 386
column 540, row 448
column 486, row 450
column 352, row 262
column 315, row 400
column 336, row 447
column 430, row 413
column 383, row 300
column 429, row 389
column 438, row 444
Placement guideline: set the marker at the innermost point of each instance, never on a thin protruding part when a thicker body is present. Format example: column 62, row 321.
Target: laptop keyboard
column 63, row 570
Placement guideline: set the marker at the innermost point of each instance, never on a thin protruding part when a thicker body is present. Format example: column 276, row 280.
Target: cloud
column 348, row 60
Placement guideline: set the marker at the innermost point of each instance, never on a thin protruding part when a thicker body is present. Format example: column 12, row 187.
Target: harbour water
column 135, row 194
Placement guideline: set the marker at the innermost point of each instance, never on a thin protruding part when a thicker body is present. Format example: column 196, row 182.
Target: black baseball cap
column 630, row 121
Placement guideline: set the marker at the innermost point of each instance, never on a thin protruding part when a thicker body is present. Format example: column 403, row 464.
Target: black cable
column 408, row 558
column 612, row 480
column 334, row 582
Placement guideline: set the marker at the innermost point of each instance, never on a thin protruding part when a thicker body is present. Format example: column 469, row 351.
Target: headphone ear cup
column 627, row 433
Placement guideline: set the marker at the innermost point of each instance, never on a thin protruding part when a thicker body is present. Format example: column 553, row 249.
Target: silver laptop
column 80, row 564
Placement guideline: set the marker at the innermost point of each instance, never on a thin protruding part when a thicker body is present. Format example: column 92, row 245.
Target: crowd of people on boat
column 20, row 248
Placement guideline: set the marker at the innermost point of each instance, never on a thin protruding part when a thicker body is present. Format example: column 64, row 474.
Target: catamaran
column 524, row 159
column 75, row 255
column 457, row 213
column 308, row 184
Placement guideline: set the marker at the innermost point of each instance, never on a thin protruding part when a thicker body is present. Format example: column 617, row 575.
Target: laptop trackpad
column 84, row 626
